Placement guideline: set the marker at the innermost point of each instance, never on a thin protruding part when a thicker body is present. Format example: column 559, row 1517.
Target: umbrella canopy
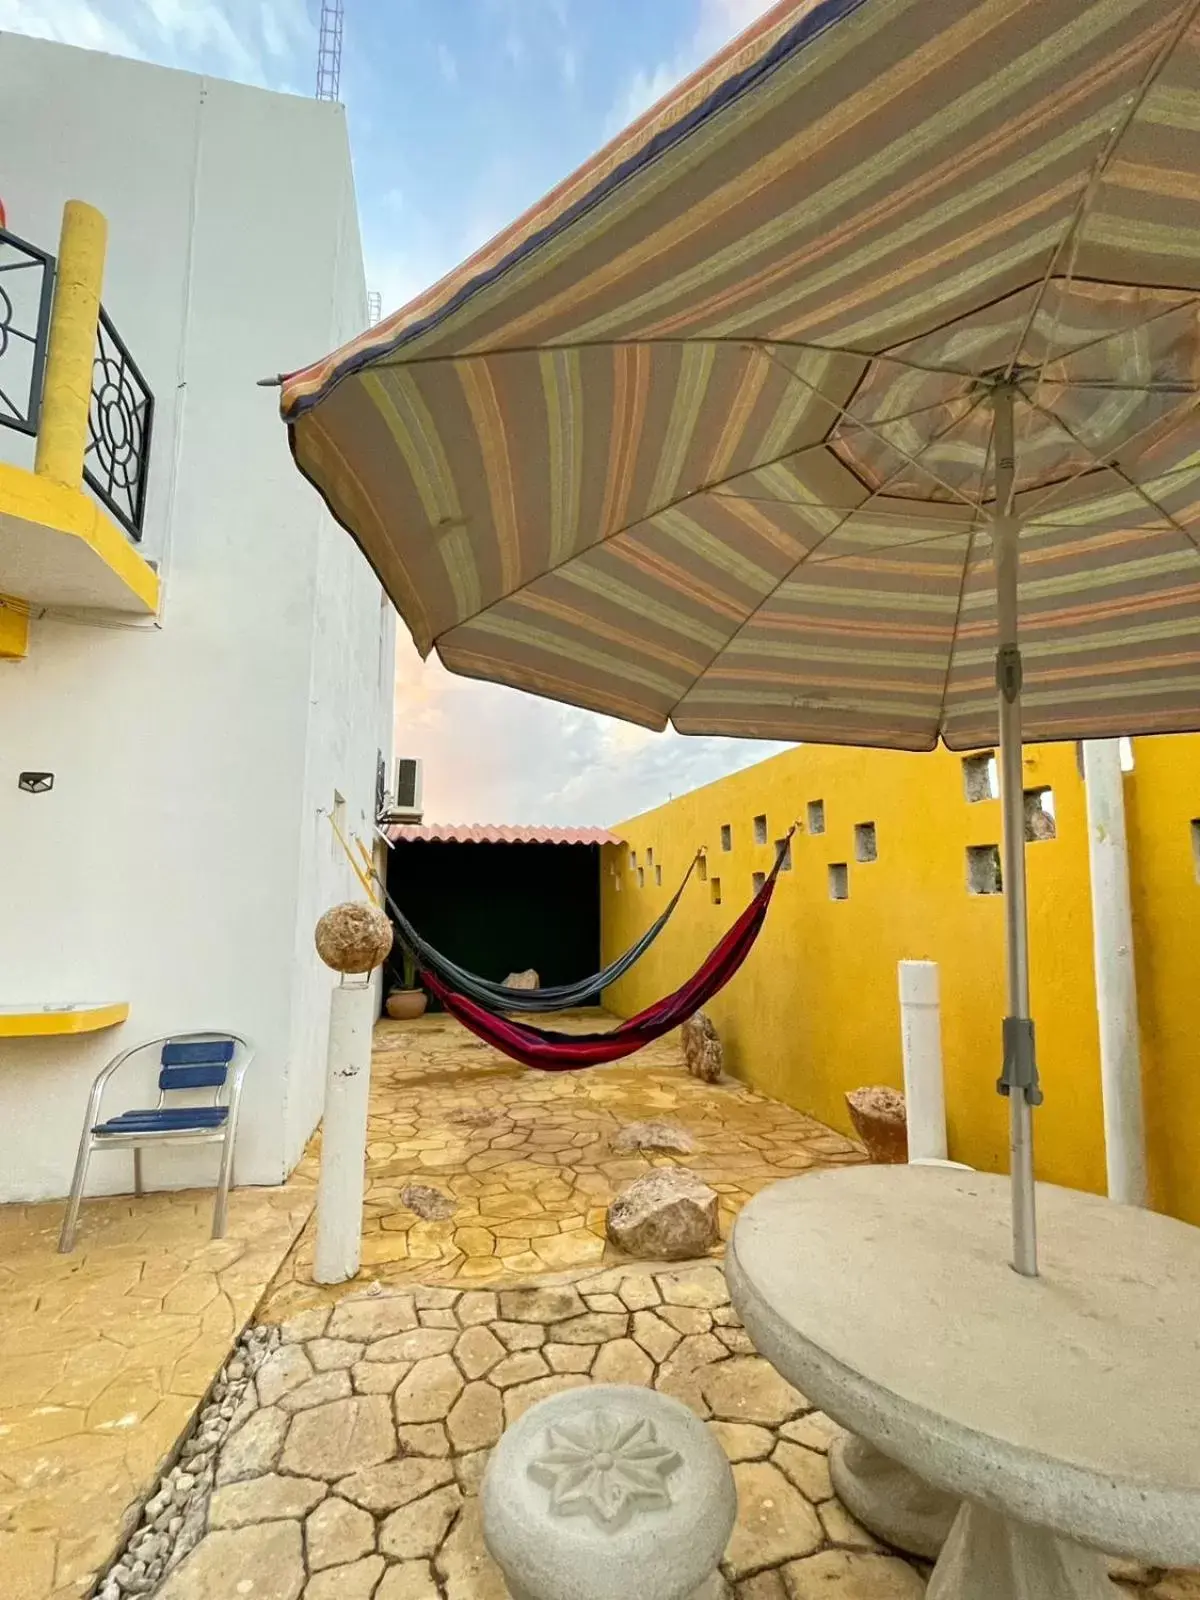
column 703, row 437
column 877, row 337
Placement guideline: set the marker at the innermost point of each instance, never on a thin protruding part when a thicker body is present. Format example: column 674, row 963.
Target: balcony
column 69, row 526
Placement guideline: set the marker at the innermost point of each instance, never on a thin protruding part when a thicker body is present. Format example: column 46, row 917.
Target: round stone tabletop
column 1069, row 1401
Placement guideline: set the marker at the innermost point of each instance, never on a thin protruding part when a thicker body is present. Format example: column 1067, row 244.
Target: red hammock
column 566, row 1052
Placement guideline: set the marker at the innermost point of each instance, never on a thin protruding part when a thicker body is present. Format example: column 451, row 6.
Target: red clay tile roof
column 486, row 833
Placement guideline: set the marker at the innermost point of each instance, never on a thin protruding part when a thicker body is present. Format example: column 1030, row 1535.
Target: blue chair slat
column 177, row 1054
column 195, row 1064
column 164, row 1119
column 198, row 1076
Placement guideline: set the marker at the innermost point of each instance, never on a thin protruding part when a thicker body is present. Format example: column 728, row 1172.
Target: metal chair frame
column 224, row 1135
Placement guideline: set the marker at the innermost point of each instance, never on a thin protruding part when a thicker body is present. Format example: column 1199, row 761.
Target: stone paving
column 106, row 1354
column 356, row 1474
column 348, row 1465
column 527, row 1159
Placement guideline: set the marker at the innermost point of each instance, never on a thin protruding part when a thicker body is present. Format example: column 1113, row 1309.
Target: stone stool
column 608, row 1492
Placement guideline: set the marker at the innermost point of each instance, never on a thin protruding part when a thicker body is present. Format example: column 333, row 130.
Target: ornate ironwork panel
column 26, row 292
column 119, row 428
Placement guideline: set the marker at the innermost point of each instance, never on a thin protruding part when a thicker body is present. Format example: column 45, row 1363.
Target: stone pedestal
column 609, row 1492
column 989, row 1557
column 1065, row 1404
column 889, row 1500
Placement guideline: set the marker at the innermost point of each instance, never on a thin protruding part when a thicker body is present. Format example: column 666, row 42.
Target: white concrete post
column 344, row 1132
column 921, row 1036
column 1116, row 980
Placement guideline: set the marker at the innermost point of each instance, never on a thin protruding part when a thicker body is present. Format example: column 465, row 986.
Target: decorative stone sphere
column 353, row 937
column 606, row 1492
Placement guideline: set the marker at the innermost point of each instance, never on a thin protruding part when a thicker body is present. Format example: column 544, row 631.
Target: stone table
column 1064, row 1410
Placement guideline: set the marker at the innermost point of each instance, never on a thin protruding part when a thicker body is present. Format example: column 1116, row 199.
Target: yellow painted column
column 67, row 390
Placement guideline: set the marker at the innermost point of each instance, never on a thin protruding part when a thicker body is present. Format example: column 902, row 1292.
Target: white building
column 198, row 736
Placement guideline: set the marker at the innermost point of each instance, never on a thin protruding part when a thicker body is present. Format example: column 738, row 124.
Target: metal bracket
column 1020, row 1061
column 1009, row 672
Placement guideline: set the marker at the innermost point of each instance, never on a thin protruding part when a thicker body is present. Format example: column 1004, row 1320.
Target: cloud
column 716, row 23
column 495, row 755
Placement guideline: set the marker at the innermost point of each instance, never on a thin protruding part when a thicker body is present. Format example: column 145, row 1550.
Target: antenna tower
column 329, row 53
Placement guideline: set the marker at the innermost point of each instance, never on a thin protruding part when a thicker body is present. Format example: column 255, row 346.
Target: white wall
column 180, row 862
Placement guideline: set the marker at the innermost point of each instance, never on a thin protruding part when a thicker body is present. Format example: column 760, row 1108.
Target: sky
column 462, row 113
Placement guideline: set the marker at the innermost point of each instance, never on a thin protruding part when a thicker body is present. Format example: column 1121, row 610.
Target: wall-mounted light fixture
column 36, row 782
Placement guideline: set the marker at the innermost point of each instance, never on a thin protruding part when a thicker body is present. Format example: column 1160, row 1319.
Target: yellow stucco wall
column 815, row 1011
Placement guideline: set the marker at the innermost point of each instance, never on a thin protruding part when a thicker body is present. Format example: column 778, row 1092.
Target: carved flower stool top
column 606, row 1465
column 604, row 1492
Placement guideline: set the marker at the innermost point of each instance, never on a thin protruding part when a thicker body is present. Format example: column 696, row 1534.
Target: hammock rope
column 548, row 1051
column 498, row 999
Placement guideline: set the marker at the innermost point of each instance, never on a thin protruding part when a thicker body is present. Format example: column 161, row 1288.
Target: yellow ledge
column 30, row 505
column 33, row 1022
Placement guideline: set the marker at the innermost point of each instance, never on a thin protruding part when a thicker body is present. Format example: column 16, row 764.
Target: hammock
column 566, row 1052
column 495, row 997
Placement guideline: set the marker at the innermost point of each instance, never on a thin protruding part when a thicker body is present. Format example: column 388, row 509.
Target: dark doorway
column 502, row 908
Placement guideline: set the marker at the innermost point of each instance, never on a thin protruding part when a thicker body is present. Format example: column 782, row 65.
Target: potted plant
column 409, row 1000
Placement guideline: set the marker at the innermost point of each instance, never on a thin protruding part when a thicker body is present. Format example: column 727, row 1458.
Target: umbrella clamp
column 1020, row 1060
column 1009, row 672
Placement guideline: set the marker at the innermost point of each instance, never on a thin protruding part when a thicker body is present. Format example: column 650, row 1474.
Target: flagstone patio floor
column 525, row 1159
column 354, row 1465
column 452, row 1327
column 105, row 1355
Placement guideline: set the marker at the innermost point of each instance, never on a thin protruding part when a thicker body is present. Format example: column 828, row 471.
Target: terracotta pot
column 879, row 1120
column 402, row 1005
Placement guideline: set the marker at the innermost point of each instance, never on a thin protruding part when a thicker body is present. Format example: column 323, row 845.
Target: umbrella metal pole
column 1019, row 1078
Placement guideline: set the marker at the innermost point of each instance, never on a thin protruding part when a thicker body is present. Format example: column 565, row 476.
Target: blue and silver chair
column 188, row 1062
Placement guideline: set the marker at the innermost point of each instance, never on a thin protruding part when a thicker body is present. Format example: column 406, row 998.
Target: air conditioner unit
column 405, row 800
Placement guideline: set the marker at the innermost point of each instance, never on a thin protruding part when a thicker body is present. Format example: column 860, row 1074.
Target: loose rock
column 702, row 1052
column 430, row 1204
column 653, row 1136
column 665, row 1215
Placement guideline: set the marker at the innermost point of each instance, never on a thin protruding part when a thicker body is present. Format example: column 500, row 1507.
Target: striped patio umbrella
column 877, row 337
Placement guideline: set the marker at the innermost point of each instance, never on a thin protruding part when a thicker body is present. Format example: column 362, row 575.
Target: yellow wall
column 815, row 1013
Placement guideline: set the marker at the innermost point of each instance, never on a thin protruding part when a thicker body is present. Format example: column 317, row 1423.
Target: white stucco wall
column 180, row 861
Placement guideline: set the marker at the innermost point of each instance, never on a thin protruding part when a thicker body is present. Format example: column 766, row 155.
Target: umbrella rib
column 844, row 414
column 1119, row 472
column 964, row 575
column 1105, row 338
column 803, row 561
column 899, row 544
column 1070, row 240
column 710, row 488
column 717, row 484
column 1094, row 464
column 738, row 341
column 1114, row 385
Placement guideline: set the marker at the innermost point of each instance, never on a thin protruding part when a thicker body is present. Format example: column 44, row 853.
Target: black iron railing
column 26, row 291
column 120, row 419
